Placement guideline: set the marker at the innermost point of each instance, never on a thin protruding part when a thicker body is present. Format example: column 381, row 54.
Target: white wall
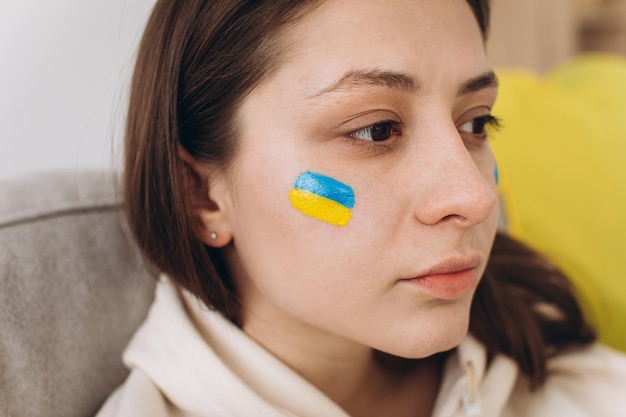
column 64, row 70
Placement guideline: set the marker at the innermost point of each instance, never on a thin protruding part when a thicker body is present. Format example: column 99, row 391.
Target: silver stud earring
column 213, row 235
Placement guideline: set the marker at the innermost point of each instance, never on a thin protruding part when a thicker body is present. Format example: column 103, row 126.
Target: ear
column 206, row 197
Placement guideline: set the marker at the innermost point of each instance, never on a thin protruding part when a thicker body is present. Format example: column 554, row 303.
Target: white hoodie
column 215, row 370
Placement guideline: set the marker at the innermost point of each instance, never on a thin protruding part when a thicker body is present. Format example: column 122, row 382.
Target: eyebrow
column 376, row 78
column 401, row 82
column 486, row 80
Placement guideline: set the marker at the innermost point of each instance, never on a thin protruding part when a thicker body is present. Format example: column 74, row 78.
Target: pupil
column 381, row 131
column 479, row 126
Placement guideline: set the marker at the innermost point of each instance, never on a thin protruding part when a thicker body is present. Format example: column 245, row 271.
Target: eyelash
column 382, row 145
column 484, row 121
column 390, row 124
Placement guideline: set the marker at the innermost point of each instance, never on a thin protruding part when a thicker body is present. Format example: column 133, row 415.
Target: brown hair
column 525, row 308
column 197, row 62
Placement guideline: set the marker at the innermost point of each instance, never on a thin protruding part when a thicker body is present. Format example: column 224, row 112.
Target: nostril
column 450, row 217
column 454, row 218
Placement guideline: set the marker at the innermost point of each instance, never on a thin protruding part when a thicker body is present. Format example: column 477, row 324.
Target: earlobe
column 212, row 230
column 205, row 202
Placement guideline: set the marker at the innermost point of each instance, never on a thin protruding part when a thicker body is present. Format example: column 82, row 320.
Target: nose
column 459, row 185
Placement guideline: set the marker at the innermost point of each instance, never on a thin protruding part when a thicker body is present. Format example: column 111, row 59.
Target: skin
column 328, row 300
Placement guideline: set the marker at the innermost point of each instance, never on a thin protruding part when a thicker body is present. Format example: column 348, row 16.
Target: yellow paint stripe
column 320, row 208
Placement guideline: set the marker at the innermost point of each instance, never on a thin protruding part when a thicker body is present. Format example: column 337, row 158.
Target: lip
column 450, row 279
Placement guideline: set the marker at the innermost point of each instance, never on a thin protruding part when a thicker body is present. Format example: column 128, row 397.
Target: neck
column 364, row 382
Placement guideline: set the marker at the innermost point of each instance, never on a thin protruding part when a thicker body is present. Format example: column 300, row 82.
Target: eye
column 478, row 125
column 376, row 132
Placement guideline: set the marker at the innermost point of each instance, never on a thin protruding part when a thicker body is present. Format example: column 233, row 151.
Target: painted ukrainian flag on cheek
column 323, row 198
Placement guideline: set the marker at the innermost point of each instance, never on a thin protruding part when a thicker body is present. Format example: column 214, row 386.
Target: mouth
column 449, row 280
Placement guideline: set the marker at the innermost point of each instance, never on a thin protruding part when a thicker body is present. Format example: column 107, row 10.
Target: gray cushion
column 73, row 288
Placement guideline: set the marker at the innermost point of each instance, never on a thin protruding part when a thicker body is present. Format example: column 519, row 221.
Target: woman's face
column 389, row 99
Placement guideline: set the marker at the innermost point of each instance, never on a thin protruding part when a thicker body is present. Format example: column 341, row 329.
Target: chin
column 442, row 331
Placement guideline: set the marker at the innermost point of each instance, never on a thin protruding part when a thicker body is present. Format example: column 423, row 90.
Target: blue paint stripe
column 326, row 187
column 496, row 174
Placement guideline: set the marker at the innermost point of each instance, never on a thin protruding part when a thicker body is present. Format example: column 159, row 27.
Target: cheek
column 342, row 219
column 305, row 225
column 292, row 244
column 282, row 222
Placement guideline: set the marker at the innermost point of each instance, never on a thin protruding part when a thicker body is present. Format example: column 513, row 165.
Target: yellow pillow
column 562, row 160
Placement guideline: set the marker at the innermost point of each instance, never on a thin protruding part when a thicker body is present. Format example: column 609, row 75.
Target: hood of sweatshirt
column 216, row 369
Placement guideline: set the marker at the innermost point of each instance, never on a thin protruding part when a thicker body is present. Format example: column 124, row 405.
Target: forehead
column 430, row 40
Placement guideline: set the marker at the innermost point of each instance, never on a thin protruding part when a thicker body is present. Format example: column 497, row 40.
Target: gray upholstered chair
column 73, row 288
